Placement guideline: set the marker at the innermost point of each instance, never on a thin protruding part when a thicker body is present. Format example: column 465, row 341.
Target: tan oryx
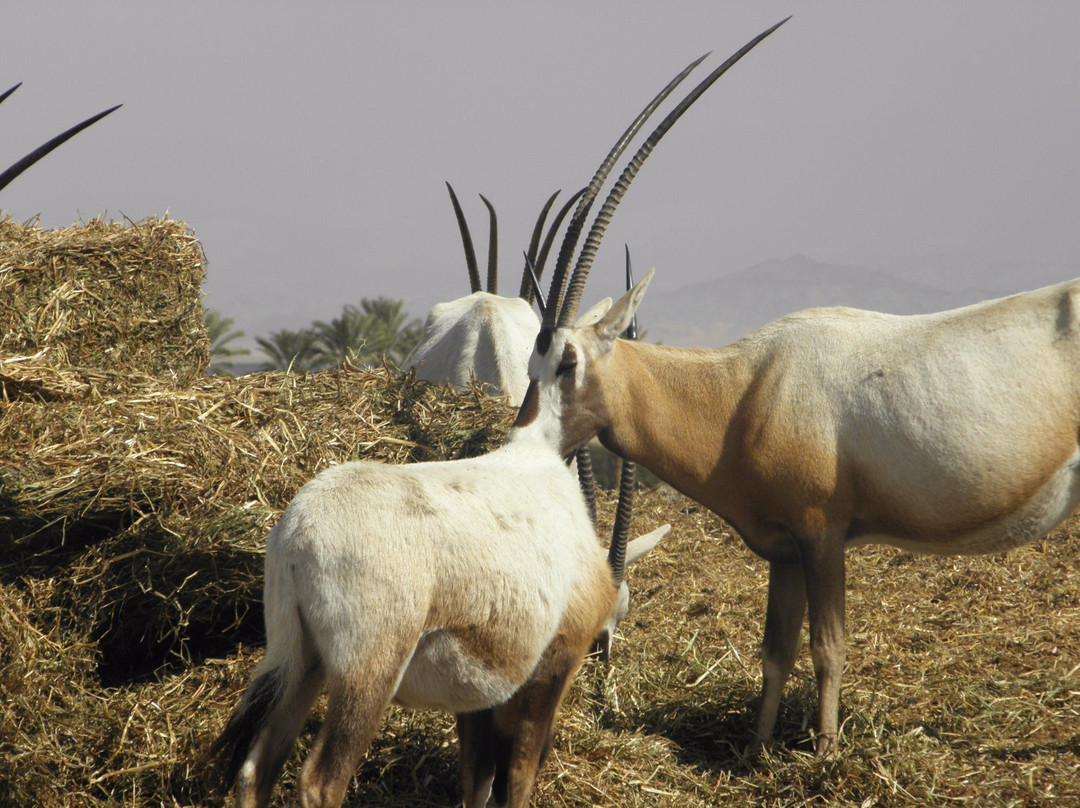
column 956, row 432
column 484, row 336
column 19, row 166
column 472, row 586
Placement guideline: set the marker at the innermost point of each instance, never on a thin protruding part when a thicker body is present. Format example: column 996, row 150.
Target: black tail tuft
column 231, row 748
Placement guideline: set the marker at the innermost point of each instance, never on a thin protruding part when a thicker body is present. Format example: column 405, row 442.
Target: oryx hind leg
column 524, row 727
column 482, row 752
column 275, row 742
column 823, row 568
column 358, row 699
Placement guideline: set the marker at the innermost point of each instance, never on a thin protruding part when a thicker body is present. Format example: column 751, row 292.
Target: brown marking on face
column 543, row 341
column 530, row 406
column 582, row 409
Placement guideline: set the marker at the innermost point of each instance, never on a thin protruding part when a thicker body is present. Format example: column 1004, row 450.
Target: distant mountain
column 719, row 311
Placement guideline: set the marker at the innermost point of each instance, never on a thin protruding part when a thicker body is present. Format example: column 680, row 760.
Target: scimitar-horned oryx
column 484, row 336
column 946, row 433
column 471, row 586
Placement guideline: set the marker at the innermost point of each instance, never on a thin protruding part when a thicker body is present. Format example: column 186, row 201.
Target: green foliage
column 290, row 350
column 377, row 330
column 222, row 333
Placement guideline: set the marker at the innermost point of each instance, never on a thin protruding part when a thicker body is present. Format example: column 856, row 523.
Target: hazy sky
column 307, row 143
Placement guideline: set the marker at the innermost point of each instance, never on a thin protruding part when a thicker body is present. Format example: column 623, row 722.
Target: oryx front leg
column 525, row 724
column 823, row 567
column 481, row 754
column 783, row 629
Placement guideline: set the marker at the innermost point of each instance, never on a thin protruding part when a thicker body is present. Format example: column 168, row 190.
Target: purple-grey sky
column 307, row 143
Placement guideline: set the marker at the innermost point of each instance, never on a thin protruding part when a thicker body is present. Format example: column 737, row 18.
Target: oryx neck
column 670, row 408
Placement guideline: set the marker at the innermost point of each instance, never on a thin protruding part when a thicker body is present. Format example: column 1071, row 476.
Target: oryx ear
column 594, row 315
column 642, row 544
column 618, row 317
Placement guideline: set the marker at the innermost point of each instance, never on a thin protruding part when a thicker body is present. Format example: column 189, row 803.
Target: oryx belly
column 1054, row 502
column 446, row 674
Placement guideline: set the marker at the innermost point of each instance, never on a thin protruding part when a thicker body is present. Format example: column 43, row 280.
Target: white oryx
column 484, row 336
column 472, row 586
column 18, row 167
column 956, row 432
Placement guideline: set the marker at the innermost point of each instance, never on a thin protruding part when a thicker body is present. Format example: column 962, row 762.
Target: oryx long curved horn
column 624, row 511
column 9, row 92
column 466, row 241
column 587, row 480
column 20, row 166
column 493, row 248
column 541, row 259
column 577, row 221
column 527, row 287
column 576, row 285
column 538, row 293
column 538, row 254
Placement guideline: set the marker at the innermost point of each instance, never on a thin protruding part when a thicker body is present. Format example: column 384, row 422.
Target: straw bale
column 118, row 296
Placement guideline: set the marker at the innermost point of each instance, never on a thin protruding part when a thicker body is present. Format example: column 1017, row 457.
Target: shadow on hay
column 1033, row 751
column 169, row 592
column 712, row 736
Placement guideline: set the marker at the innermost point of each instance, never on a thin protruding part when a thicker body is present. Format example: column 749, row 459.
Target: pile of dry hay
column 133, row 511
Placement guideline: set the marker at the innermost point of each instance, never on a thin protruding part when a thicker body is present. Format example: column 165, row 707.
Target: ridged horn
column 493, row 248
column 568, row 308
column 541, row 259
column 624, row 511
column 577, row 221
column 19, row 167
column 587, row 480
column 466, row 242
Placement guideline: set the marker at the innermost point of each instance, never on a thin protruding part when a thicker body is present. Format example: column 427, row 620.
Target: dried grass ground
column 124, row 600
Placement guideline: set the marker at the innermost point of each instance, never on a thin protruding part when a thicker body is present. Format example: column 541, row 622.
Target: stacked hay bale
column 111, row 296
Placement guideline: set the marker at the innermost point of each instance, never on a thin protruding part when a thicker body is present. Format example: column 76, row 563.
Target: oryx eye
column 568, row 361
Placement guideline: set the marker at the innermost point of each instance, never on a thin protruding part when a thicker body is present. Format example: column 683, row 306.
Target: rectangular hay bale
column 117, row 296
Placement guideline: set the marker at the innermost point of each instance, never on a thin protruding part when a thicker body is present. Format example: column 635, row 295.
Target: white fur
column 483, row 337
column 366, row 546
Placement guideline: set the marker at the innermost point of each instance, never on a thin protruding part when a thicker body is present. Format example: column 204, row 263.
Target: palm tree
column 365, row 334
column 342, row 339
column 390, row 333
column 220, row 329
column 290, row 350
